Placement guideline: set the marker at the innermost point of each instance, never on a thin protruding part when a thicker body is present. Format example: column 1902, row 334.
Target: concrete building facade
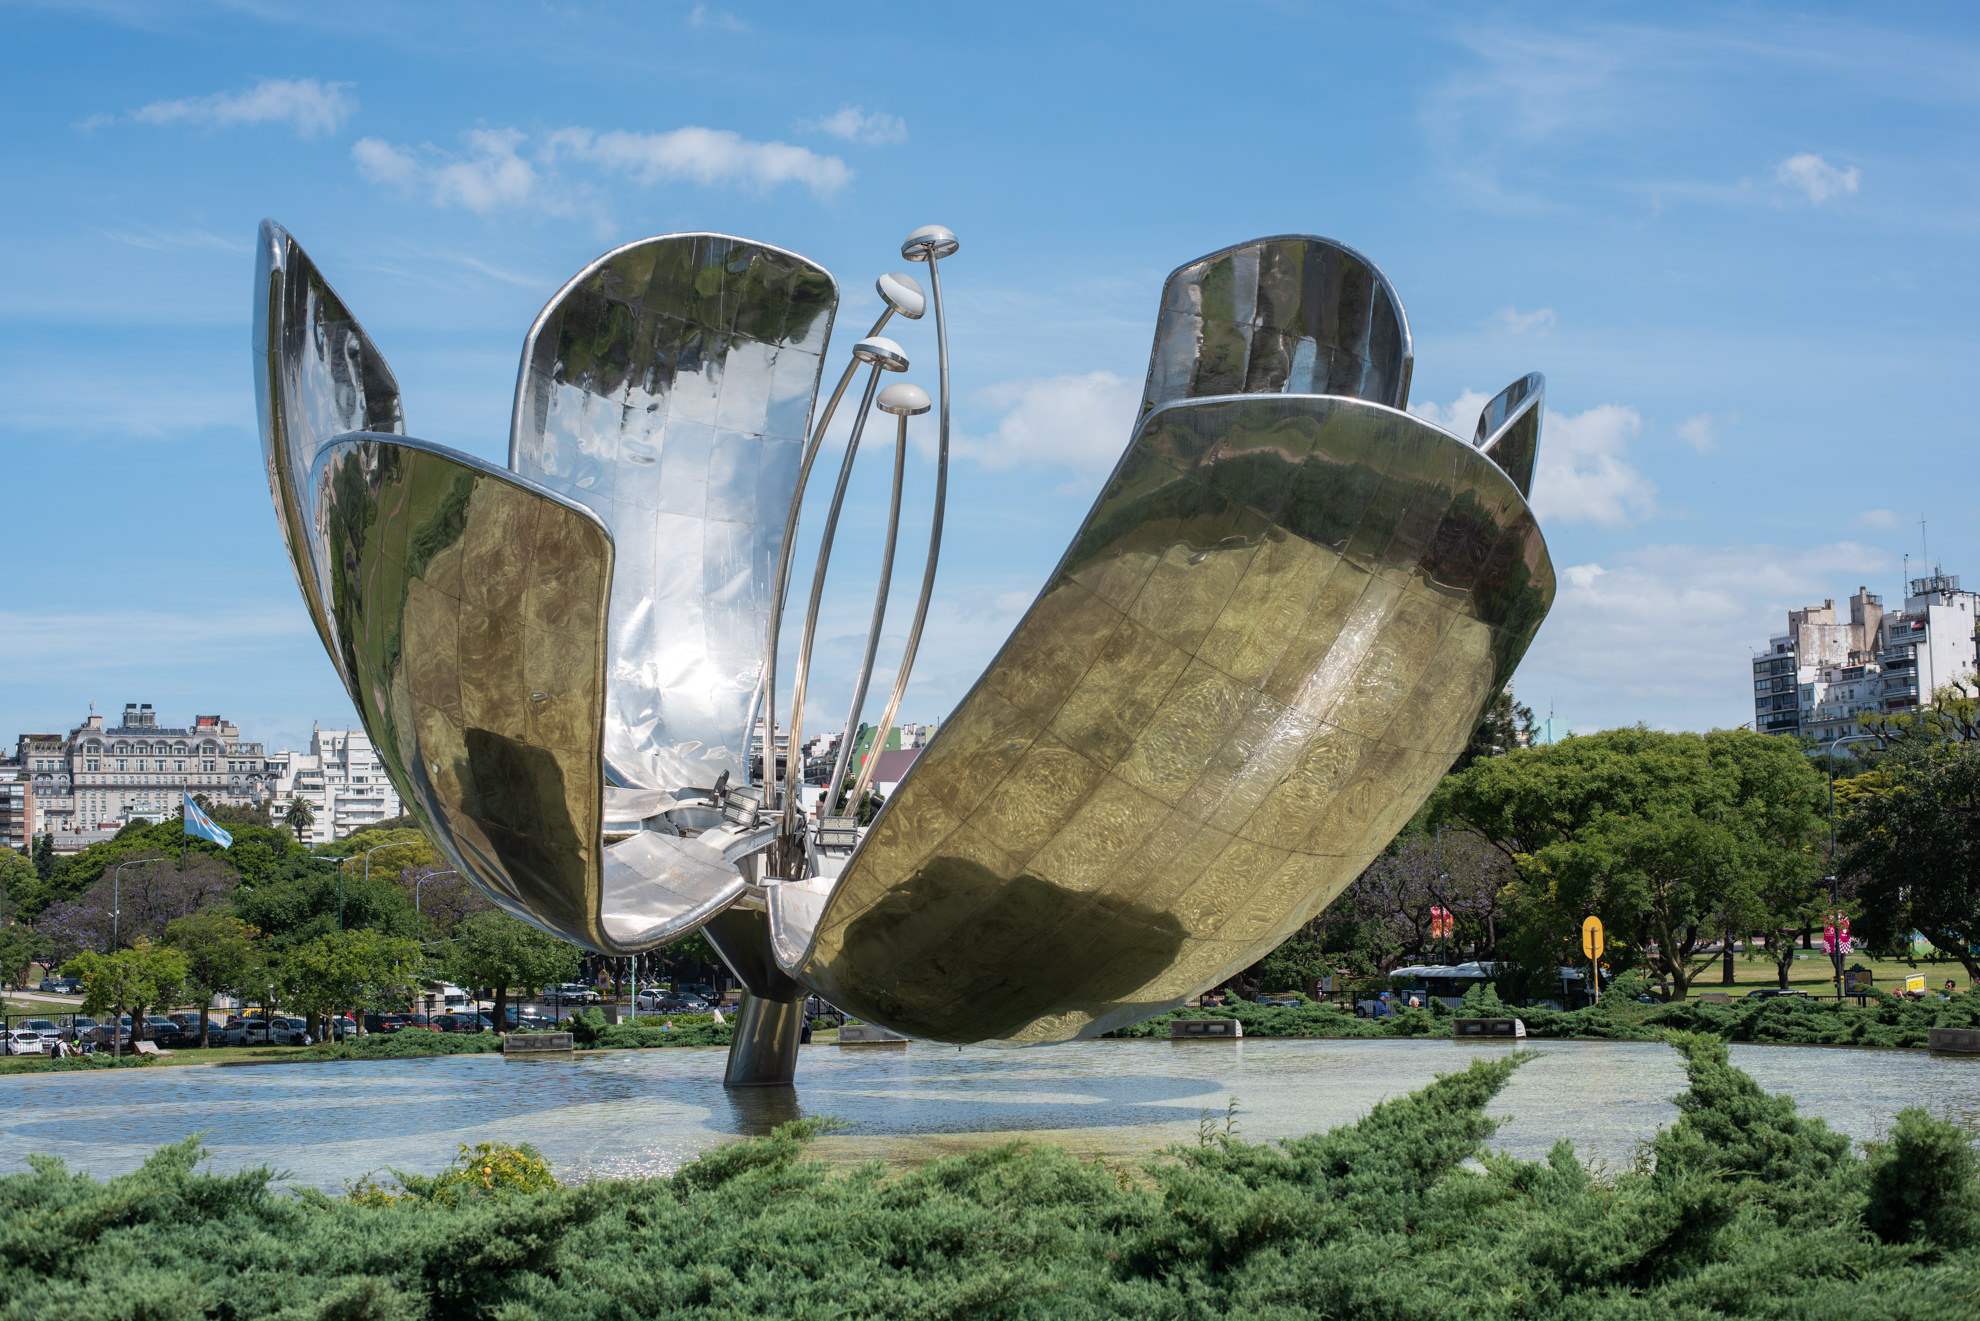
column 91, row 782
column 341, row 779
column 1824, row 677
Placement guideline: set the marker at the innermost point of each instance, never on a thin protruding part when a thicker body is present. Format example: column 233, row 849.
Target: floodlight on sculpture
column 1270, row 637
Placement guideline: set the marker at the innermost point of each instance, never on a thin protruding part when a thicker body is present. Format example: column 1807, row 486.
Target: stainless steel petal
column 1296, row 314
column 1509, row 428
column 1245, row 675
column 316, row 375
column 668, row 387
column 469, row 606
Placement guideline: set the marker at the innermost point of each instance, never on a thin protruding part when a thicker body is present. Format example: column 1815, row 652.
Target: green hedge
column 1789, row 1020
column 1740, row 1208
column 71, row 1063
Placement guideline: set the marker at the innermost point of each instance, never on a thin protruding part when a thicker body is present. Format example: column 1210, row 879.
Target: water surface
column 645, row 1112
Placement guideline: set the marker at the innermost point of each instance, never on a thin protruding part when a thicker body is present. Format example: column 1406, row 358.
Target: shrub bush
column 70, row 1064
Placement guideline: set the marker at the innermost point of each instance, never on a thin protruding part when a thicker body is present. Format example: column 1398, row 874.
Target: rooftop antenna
column 1924, row 547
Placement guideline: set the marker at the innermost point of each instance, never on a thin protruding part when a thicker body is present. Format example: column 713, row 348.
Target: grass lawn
column 1813, row 973
column 33, row 1006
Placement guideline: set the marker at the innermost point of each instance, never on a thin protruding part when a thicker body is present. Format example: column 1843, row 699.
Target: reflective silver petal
column 668, row 388
column 316, row 375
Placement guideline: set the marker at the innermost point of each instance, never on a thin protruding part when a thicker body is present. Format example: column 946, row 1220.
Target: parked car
column 47, row 1029
column 672, row 1002
column 422, row 1021
column 106, row 1034
column 1280, row 1001
column 162, row 1030
column 252, row 1032
column 61, row 986
column 1771, row 992
column 463, row 1023
column 26, row 1041
column 576, row 993
column 78, row 1024
column 699, row 990
column 387, row 1023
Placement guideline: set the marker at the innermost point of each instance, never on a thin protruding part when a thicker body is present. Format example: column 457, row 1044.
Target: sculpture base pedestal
column 765, row 1050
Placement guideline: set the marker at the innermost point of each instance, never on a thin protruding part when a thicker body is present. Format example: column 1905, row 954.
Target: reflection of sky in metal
column 668, row 387
column 645, row 1112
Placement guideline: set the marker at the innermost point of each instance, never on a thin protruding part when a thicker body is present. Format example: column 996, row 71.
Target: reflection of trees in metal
column 1275, row 631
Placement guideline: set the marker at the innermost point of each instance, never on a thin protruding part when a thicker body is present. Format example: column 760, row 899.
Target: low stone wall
column 1199, row 1029
column 1964, row 1040
column 538, row 1043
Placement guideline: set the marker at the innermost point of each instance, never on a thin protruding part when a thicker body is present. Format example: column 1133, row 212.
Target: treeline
column 154, row 918
column 1687, row 846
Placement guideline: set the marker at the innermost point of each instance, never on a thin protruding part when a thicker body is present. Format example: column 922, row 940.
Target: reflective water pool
column 645, row 1112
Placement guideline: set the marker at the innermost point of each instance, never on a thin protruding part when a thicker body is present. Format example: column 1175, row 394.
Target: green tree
column 131, row 980
column 44, row 855
column 494, row 949
column 299, row 816
column 352, row 970
column 1674, row 840
column 1506, row 724
column 408, row 848
column 20, row 949
column 221, row 955
column 298, row 906
column 1914, row 837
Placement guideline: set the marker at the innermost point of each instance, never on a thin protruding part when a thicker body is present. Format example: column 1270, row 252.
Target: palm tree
column 299, row 817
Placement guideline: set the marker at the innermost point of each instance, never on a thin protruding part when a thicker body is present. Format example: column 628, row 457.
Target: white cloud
column 1664, row 633
column 488, row 177
column 1810, row 174
column 705, row 156
column 1459, row 418
column 499, row 169
column 1700, row 432
column 1881, row 518
column 1077, row 422
column 701, row 16
column 854, row 124
column 310, row 107
column 1515, row 322
column 1584, row 473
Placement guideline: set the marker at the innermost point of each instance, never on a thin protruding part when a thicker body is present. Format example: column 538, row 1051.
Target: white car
column 27, row 1041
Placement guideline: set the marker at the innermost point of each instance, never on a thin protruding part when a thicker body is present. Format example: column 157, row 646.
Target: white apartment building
column 341, row 779
column 1823, row 677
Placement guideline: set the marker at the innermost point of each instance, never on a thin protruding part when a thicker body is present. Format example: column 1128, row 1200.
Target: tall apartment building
column 94, row 780
column 342, row 780
column 1824, row 676
column 16, row 809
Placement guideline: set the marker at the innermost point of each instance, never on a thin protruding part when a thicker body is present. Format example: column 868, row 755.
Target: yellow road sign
column 1591, row 937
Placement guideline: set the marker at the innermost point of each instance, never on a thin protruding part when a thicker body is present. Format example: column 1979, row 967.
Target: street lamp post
column 445, row 871
column 117, row 898
column 1835, row 880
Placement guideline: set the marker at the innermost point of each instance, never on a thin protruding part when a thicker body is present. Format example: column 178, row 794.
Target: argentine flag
column 199, row 823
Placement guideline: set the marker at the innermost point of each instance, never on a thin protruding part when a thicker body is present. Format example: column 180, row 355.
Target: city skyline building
column 342, row 780
column 91, row 782
column 1824, row 677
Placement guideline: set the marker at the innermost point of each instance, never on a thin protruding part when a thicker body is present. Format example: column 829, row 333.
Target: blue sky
column 1739, row 241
